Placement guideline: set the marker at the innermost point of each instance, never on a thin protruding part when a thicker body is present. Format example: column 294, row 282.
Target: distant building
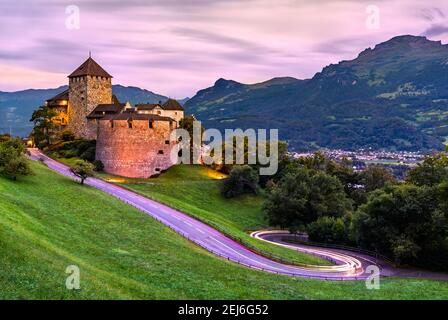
column 131, row 141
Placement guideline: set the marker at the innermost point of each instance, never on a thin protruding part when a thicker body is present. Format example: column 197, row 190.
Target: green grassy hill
column 195, row 190
column 48, row 222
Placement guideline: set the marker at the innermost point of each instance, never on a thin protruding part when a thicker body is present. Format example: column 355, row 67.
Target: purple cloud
column 178, row 47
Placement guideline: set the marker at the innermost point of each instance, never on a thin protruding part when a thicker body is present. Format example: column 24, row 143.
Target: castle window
column 157, row 169
column 160, row 152
column 130, row 124
column 159, row 112
column 167, row 141
column 151, row 125
column 111, row 123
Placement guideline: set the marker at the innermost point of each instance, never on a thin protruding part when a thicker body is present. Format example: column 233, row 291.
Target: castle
column 132, row 141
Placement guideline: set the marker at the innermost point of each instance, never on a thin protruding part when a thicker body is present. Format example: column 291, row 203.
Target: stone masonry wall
column 134, row 152
column 85, row 93
column 174, row 114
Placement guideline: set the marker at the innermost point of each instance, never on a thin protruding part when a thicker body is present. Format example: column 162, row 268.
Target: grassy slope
column 196, row 191
column 48, row 222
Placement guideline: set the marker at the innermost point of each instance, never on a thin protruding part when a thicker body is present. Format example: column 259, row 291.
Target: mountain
column 16, row 107
column 394, row 96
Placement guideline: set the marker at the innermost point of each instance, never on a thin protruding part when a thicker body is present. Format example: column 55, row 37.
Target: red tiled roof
column 90, row 68
column 172, row 104
column 107, row 109
column 60, row 96
column 147, row 106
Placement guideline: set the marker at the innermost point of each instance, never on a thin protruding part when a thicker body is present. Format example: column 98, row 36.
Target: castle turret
column 89, row 86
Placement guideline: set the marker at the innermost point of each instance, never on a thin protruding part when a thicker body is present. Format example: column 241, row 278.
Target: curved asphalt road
column 347, row 266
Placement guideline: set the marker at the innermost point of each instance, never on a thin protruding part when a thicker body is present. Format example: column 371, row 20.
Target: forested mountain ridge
column 394, row 96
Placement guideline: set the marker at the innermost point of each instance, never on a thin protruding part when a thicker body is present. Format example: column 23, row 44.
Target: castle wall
column 61, row 118
column 173, row 114
column 85, row 93
column 134, row 152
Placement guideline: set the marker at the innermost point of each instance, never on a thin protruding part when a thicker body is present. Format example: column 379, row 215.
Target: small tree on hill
column 43, row 124
column 83, row 170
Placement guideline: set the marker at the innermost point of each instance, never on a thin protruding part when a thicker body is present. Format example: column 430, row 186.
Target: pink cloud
column 178, row 47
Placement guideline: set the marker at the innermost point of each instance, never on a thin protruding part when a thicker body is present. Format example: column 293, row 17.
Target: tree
column 442, row 196
column 82, row 169
column 432, row 171
column 187, row 124
column 5, row 137
column 43, row 124
column 302, row 197
column 405, row 222
column 328, row 230
column 242, row 180
column 13, row 162
column 342, row 170
column 376, row 177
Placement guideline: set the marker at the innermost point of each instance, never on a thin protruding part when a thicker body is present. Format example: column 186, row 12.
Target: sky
column 176, row 48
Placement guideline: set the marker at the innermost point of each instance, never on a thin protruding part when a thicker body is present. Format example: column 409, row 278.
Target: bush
column 68, row 154
column 13, row 162
column 88, row 154
column 84, row 149
column 328, row 230
column 242, row 179
column 99, row 166
column 67, row 135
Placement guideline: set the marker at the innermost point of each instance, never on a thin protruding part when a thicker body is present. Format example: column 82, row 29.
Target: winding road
column 347, row 265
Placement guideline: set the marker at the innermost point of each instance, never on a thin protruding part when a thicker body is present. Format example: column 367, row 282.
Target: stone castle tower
column 89, row 86
column 130, row 141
